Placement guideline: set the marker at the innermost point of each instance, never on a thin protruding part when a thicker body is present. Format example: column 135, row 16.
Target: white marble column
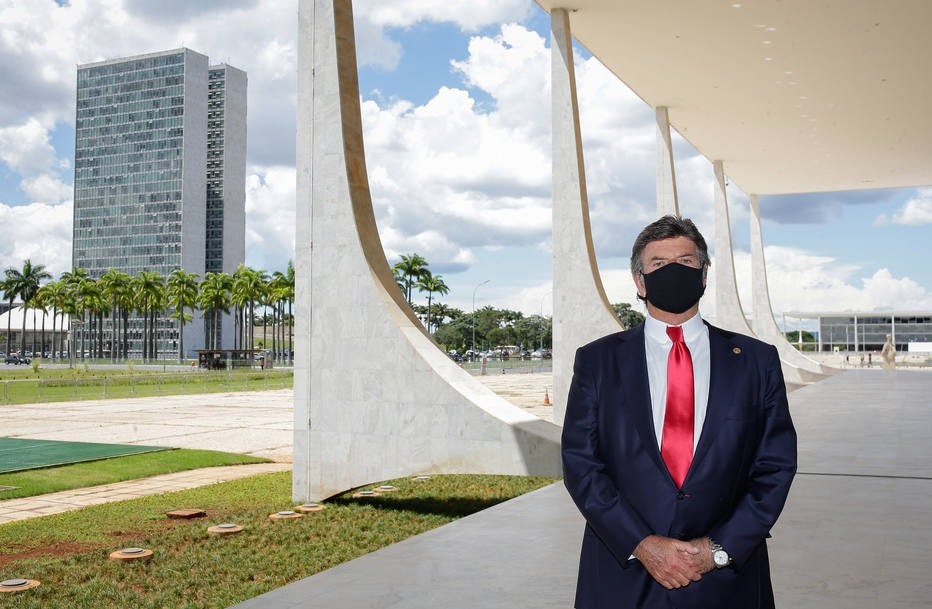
column 667, row 201
column 375, row 397
column 728, row 311
column 581, row 311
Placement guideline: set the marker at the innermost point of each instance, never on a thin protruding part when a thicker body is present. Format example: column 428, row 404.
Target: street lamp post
column 474, row 315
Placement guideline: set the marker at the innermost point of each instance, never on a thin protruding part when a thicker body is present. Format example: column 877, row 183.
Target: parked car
column 15, row 358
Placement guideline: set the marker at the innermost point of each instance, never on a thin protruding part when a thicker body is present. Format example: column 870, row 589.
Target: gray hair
column 668, row 227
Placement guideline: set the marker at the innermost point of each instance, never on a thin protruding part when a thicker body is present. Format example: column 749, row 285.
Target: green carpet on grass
column 19, row 454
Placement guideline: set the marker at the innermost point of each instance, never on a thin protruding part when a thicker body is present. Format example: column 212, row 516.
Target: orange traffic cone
column 546, row 397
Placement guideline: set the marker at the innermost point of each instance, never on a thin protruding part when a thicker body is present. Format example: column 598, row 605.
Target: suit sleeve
column 771, row 473
column 584, row 470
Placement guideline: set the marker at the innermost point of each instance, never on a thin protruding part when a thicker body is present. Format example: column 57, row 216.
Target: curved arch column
column 375, row 398
column 667, row 201
column 729, row 313
column 581, row 311
column 763, row 322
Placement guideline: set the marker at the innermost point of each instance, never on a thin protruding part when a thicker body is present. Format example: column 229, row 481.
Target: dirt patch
column 65, row 549
column 57, row 550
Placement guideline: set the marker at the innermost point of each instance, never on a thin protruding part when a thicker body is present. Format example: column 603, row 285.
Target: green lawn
column 25, row 385
column 68, row 553
column 107, row 471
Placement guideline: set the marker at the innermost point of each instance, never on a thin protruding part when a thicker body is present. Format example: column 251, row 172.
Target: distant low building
column 45, row 332
column 867, row 330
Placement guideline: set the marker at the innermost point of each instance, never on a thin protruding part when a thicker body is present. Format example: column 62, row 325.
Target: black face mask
column 674, row 287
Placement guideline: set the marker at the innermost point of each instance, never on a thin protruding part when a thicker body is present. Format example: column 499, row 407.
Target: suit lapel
column 632, row 364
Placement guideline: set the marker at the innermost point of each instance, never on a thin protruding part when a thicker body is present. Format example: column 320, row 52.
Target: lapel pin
column 736, row 350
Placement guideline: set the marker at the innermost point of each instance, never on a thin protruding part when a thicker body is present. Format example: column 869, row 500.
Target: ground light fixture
column 225, row 528
column 17, row 584
column 285, row 515
column 131, row 554
column 306, row 508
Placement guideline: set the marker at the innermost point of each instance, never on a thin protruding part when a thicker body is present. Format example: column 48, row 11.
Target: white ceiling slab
column 792, row 95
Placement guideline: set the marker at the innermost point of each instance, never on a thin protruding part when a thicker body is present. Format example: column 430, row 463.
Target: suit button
column 681, row 495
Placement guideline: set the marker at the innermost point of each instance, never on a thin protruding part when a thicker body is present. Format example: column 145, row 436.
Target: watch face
column 720, row 557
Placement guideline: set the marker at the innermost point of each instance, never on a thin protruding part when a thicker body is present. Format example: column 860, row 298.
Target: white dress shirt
column 658, row 346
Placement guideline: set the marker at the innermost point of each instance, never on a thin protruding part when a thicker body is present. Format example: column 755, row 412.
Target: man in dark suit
column 678, row 447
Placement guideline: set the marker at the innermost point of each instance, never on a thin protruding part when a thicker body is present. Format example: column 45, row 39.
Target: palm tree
column 73, row 280
column 9, row 294
column 149, row 290
column 116, row 287
column 25, row 284
column 432, row 284
column 265, row 299
column 288, row 284
column 182, row 294
column 444, row 312
column 248, row 288
column 92, row 297
column 55, row 295
column 409, row 270
column 244, row 292
column 282, row 289
column 214, row 298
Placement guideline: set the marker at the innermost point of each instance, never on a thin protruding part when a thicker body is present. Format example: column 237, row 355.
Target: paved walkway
column 64, row 501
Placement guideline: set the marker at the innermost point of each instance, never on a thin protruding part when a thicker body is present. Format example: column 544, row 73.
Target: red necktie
column 676, row 445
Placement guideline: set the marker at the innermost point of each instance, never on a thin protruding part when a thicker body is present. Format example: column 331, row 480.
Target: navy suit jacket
column 734, row 491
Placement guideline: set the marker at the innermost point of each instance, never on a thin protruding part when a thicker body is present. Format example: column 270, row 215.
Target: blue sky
column 457, row 125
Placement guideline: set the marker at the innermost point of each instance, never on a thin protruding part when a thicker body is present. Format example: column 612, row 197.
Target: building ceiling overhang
column 792, row 96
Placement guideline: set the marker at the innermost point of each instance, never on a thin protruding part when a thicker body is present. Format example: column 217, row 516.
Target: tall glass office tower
column 160, row 164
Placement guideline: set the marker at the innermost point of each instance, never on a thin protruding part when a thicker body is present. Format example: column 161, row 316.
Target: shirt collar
column 656, row 330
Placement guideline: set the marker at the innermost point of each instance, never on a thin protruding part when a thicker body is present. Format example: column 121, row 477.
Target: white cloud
column 25, row 148
column 46, row 188
column 802, row 281
column 448, row 177
column 42, row 234
column 374, row 47
column 915, row 212
column 270, row 213
column 469, row 15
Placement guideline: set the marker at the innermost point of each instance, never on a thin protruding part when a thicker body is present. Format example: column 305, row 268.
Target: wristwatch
column 719, row 555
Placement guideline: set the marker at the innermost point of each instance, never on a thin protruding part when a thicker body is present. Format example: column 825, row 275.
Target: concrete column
column 728, row 311
column 581, row 311
column 857, row 345
column 375, row 397
column 667, row 201
column 763, row 323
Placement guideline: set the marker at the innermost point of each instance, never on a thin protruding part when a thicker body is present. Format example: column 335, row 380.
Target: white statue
column 888, row 354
